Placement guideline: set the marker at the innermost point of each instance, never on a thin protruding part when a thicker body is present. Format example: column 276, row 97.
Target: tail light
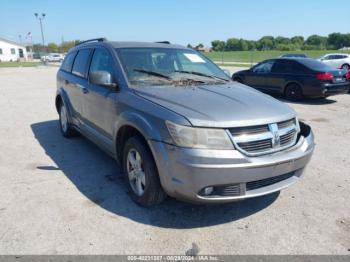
column 324, row 76
column 347, row 75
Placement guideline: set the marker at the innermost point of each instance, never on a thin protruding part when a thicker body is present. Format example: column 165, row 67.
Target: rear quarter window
column 68, row 62
column 80, row 65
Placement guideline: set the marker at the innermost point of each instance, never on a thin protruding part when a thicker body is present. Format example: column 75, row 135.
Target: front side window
column 0, row 51
column 101, row 61
column 264, row 67
column 81, row 62
column 167, row 66
column 13, row 51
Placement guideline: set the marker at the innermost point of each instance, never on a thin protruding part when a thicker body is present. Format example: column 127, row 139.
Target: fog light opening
column 208, row 190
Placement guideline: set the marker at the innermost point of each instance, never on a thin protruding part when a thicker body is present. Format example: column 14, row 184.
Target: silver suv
column 177, row 124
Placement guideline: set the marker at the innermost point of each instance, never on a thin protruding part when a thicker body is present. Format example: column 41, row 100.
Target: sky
column 178, row 21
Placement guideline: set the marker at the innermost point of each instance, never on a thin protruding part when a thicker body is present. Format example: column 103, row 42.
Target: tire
column 66, row 128
column 346, row 67
column 141, row 177
column 293, row 92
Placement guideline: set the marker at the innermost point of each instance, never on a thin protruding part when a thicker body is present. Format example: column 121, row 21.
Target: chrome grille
column 265, row 139
column 287, row 138
column 285, row 124
column 249, row 130
column 256, row 146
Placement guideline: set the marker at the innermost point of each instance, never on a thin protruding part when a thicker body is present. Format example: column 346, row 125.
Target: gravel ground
column 60, row 196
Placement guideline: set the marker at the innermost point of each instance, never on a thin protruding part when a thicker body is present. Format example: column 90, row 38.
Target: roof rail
column 101, row 39
column 163, row 42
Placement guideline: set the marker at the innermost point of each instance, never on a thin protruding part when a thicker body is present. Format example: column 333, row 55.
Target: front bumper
column 184, row 173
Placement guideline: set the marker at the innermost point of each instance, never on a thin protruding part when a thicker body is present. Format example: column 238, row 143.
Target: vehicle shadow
column 98, row 177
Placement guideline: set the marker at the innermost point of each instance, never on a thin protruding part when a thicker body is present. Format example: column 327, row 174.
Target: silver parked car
column 177, row 124
column 53, row 57
column 341, row 61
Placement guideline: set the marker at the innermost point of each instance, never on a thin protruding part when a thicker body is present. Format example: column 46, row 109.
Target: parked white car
column 337, row 60
column 53, row 57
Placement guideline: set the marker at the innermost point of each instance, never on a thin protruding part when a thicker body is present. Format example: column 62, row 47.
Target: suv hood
column 228, row 105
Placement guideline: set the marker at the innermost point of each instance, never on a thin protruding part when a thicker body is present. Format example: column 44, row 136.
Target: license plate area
column 338, row 79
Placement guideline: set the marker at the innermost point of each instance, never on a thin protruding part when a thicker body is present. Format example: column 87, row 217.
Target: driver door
column 100, row 103
column 258, row 77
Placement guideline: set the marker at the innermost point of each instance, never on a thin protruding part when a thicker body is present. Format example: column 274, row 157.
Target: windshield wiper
column 152, row 73
column 201, row 74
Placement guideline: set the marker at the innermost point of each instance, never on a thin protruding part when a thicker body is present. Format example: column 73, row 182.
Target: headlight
column 185, row 136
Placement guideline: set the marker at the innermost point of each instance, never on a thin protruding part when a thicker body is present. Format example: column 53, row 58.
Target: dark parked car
column 295, row 78
column 293, row 56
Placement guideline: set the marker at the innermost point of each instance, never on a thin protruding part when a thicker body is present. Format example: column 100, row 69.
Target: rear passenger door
column 100, row 101
column 286, row 71
column 64, row 79
column 281, row 72
column 78, row 82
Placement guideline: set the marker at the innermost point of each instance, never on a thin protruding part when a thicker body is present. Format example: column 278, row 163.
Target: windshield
column 167, row 66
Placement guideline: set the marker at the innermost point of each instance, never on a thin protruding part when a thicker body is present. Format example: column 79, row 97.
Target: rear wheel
column 346, row 67
column 66, row 129
column 141, row 173
column 293, row 92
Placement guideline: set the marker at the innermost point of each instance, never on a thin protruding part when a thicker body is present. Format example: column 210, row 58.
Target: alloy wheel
column 136, row 173
column 63, row 118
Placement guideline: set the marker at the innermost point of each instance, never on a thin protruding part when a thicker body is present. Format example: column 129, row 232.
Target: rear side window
column 68, row 62
column 81, row 63
column 288, row 67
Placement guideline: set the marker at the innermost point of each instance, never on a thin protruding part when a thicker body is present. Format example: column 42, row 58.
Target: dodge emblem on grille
column 275, row 135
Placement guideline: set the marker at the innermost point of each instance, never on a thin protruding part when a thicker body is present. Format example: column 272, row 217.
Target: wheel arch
column 62, row 97
column 129, row 125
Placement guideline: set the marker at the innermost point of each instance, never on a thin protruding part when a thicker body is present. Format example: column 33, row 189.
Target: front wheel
column 293, row 92
column 141, row 173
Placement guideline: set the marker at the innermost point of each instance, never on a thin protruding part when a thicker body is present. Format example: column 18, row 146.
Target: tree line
column 55, row 48
column 315, row 42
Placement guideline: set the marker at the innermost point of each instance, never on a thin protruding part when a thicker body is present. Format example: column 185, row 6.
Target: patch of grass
column 258, row 56
column 19, row 64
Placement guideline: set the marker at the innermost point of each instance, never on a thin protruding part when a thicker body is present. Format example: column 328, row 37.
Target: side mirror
column 102, row 78
column 227, row 72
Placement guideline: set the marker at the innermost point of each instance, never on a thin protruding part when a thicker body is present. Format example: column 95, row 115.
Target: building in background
column 12, row 51
column 204, row 49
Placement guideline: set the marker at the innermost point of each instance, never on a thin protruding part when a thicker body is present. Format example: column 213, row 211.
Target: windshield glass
column 167, row 66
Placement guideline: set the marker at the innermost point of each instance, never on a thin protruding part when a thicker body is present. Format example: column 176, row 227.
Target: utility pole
column 41, row 18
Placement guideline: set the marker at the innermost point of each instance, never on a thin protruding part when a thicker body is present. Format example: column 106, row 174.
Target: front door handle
column 83, row 88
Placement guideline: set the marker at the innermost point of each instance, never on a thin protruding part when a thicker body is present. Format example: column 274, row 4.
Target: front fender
column 140, row 123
